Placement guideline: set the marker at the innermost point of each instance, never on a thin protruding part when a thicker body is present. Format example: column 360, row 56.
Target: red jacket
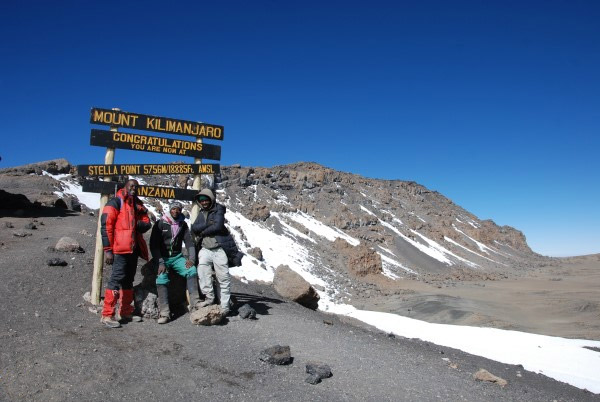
column 124, row 219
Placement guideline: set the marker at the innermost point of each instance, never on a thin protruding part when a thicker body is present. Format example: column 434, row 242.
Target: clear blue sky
column 494, row 104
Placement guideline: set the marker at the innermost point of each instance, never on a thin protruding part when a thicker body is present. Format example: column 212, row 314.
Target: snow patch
column 386, row 262
column 318, row 227
column 277, row 250
column 290, row 229
column 562, row 359
column 481, row 246
column 430, row 251
column 90, row 200
column 367, row 211
column 443, row 250
column 449, row 240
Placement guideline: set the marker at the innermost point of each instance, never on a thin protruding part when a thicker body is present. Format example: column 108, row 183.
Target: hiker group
column 124, row 220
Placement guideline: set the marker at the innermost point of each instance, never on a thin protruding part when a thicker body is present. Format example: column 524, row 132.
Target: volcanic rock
column 210, row 315
column 258, row 212
column 292, row 286
column 361, row 260
column 256, row 252
column 245, row 311
column 56, row 262
column 68, row 244
column 279, row 355
column 321, row 369
column 484, row 375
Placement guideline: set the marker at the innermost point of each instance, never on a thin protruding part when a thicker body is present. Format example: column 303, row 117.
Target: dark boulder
column 247, row 312
column 279, row 355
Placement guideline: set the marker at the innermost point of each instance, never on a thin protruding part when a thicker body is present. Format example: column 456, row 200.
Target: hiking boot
column 110, row 322
column 130, row 318
column 196, row 306
column 192, row 287
column 163, row 304
column 205, row 303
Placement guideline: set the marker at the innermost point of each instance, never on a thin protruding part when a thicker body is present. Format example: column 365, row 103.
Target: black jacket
column 214, row 226
column 162, row 245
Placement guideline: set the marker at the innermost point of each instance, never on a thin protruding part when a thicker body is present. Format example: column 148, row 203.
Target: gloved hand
column 109, row 257
column 189, row 264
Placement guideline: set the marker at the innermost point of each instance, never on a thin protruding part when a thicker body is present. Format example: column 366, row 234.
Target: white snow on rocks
column 276, row 250
column 90, row 200
column 481, row 246
column 290, row 229
column 430, row 251
column 387, row 263
column 394, row 219
column 321, row 229
column 449, row 240
column 443, row 250
column 367, row 211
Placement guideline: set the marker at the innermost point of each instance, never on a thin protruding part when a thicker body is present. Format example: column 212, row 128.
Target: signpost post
column 196, row 186
column 113, row 138
column 109, row 158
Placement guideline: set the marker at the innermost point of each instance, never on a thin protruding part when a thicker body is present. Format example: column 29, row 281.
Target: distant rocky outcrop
column 41, row 190
column 54, row 166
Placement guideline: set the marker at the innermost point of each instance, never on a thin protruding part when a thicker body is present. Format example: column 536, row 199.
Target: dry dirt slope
column 53, row 348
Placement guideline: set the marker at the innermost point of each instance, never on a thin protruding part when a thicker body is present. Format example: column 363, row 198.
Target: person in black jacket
column 216, row 244
column 166, row 241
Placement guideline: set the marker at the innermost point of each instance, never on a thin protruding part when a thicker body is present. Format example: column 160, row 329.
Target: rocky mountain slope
column 348, row 235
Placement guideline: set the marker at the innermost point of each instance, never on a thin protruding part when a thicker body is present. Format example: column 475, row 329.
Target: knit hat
column 175, row 204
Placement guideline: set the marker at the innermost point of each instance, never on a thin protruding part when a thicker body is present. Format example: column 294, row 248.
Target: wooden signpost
column 113, row 138
column 173, row 193
column 147, row 169
column 146, row 143
column 146, row 122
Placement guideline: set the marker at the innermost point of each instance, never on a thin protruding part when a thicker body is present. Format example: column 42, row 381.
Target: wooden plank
column 148, row 169
column 110, row 187
column 109, row 158
column 155, row 123
column 146, row 143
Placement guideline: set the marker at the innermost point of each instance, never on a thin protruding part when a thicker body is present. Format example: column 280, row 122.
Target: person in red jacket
column 124, row 220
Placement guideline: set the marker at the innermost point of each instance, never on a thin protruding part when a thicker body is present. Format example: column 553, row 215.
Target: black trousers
column 123, row 271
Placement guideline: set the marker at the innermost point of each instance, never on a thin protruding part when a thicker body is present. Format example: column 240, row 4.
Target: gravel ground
column 54, row 348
